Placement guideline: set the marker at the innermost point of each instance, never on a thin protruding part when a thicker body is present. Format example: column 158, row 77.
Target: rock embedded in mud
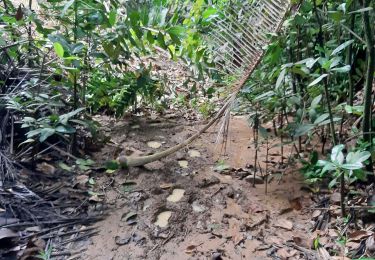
column 183, row 164
column 154, row 144
column 250, row 179
column 194, row 153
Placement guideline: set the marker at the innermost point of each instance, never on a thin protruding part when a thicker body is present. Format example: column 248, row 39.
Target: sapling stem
column 342, row 192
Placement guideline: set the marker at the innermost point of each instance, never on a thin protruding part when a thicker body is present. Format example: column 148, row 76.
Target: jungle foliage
column 72, row 58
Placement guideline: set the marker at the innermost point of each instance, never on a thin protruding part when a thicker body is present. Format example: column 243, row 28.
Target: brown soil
column 220, row 216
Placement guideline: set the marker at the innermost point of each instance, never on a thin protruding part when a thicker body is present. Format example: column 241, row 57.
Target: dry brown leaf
column 166, row 186
column 370, row 246
column 283, row 253
column 323, row 253
column 359, row 235
column 340, row 258
column 7, row 233
column 335, row 197
column 190, row 249
column 284, row 223
column 82, row 179
column 46, row 168
column 352, row 245
column 316, row 213
column 296, row 204
column 274, row 241
column 302, row 242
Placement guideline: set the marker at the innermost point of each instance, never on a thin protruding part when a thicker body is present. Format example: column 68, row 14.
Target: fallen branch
column 129, row 161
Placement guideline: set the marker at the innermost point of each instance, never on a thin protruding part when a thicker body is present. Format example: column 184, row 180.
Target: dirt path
column 220, row 215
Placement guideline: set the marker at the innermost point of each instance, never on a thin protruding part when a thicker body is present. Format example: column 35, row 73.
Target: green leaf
column 336, row 155
column 362, row 10
column 280, row 79
column 352, row 166
column 112, row 17
column 58, row 49
column 66, row 7
column 45, row 133
column 317, row 80
column 321, row 118
column 316, row 101
column 303, row 129
column 65, row 129
column 178, row 31
column 341, row 47
column 342, row 69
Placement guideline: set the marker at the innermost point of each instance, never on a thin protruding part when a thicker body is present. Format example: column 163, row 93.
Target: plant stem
column 369, row 78
column 326, row 90
column 342, row 193
column 256, row 128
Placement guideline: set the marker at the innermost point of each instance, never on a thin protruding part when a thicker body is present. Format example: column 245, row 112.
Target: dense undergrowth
column 67, row 60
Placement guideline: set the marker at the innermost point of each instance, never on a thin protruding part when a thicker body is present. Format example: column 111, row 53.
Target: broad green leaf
column 45, row 133
column 357, row 157
column 341, row 47
column 58, row 49
column 112, row 17
column 352, row 166
column 316, row 101
column 362, row 10
column 336, row 155
column 178, row 31
column 66, row 7
column 280, row 79
column 65, row 129
column 321, row 118
column 317, row 80
column 303, row 129
column 342, row 69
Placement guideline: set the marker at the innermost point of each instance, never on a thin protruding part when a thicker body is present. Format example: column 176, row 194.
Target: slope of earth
column 189, row 206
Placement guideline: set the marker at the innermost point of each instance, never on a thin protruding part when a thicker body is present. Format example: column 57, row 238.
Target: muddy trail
column 198, row 203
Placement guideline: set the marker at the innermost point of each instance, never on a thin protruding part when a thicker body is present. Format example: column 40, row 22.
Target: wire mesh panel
column 241, row 31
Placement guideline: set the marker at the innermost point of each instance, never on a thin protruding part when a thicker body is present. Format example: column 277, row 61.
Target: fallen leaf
column 46, row 168
column 302, row 242
column 176, row 195
column 323, row 253
column 370, row 245
column 352, row 245
column 122, row 240
column 7, row 233
column 183, row 164
column 284, row 223
column 154, row 144
column 166, row 186
column 129, row 218
column 163, row 218
column 190, row 249
column 82, row 179
column 284, row 254
column 316, row 213
column 359, row 235
column 335, row 198
column 296, row 204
